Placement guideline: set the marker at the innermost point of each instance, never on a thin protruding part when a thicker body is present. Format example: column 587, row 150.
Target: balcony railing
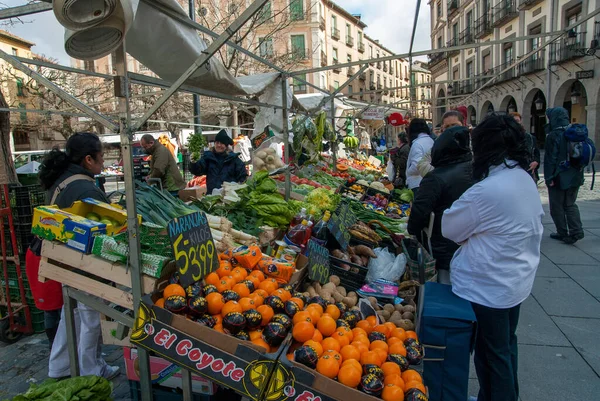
column 336, row 68
column 335, row 33
column 323, row 59
column 451, row 43
column 350, row 71
column 436, row 58
column 322, row 23
column 568, row 49
column 507, row 75
column 504, row 12
column 349, row 41
column 527, row 4
column 361, row 47
column 483, row 26
column 531, row 65
column 468, row 86
column 363, row 76
column 466, row 36
column 453, row 6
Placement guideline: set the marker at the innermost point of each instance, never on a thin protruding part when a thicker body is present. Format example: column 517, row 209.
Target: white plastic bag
column 386, row 266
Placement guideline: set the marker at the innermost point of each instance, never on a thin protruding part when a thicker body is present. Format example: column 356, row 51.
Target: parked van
column 23, row 158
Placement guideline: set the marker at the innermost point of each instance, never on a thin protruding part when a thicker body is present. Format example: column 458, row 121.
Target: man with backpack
column 568, row 152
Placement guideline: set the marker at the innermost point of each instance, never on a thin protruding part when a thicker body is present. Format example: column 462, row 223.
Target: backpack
column 580, row 149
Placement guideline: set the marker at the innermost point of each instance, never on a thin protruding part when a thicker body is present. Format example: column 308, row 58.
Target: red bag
column 48, row 295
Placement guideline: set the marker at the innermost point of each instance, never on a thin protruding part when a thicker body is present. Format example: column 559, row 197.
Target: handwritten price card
column 193, row 247
column 318, row 262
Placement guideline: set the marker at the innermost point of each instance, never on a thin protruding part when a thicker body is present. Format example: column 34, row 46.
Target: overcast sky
column 387, row 21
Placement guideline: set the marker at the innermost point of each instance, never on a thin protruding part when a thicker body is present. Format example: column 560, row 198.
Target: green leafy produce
column 405, row 195
column 159, row 207
column 324, row 199
column 365, row 215
column 88, row 388
column 295, row 207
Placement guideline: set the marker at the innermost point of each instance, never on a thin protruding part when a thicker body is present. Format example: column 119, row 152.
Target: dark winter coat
column 452, row 176
column 399, row 158
column 535, row 155
column 556, row 152
column 164, row 166
column 75, row 191
column 219, row 168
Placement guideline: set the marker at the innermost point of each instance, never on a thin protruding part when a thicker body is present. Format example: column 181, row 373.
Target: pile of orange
column 349, row 354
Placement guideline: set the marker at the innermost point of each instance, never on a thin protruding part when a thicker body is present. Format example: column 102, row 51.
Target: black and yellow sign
column 193, row 247
column 318, row 262
column 339, row 223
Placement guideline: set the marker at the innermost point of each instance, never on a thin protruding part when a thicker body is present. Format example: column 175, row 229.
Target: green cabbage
column 323, row 198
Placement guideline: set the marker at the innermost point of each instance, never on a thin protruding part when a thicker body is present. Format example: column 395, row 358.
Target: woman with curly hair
column 498, row 224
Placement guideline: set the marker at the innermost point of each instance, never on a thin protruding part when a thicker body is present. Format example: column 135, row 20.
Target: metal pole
column 334, row 144
column 286, row 134
column 21, row 11
column 196, row 98
column 69, row 316
column 122, row 94
column 549, row 102
column 186, row 376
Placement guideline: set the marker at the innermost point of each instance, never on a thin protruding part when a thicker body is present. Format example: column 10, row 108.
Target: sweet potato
column 364, row 250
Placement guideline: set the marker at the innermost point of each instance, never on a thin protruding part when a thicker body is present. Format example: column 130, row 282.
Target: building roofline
column 16, row 38
column 377, row 43
column 345, row 13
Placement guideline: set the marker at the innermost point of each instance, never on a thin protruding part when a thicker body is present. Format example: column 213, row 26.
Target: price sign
column 193, row 247
column 346, row 216
column 318, row 262
column 262, row 137
column 339, row 230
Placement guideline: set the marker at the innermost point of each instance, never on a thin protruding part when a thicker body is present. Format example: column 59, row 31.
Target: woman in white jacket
column 421, row 143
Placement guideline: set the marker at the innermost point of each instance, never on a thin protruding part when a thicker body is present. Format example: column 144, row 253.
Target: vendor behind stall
column 219, row 165
column 163, row 165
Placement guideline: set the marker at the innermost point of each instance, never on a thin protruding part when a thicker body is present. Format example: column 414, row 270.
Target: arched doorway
column 572, row 96
column 486, row 109
column 441, row 105
column 508, row 105
column 535, row 103
column 471, row 115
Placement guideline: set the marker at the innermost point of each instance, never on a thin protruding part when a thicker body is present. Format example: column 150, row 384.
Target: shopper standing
column 563, row 182
column 163, row 165
column 420, row 143
column 498, row 222
column 68, row 177
column 219, row 165
column 451, row 177
column 396, row 168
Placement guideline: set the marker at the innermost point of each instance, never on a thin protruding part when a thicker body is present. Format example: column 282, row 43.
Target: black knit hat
column 224, row 138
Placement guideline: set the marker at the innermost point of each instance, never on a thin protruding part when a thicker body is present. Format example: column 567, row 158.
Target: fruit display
column 377, row 202
column 351, row 142
column 357, row 188
column 352, row 193
column 331, row 337
column 401, row 315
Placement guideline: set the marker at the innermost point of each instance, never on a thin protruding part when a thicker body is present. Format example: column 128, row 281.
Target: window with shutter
column 298, row 46
column 296, row 10
column 20, row 87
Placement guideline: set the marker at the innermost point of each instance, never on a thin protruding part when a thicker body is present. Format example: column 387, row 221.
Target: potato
column 355, row 308
column 405, row 324
column 335, row 280
column 330, row 286
column 408, row 316
column 399, row 308
column 311, row 292
column 380, row 314
column 317, row 287
column 389, row 308
column 373, row 302
column 386, row 314
column 396, row 316
column 341, row 290
column 349, row 301
column 409, row 308
column 338, row 297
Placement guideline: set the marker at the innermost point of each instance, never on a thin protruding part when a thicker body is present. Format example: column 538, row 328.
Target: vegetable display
column 323, row 199
column 89, row 388
column 266, row 159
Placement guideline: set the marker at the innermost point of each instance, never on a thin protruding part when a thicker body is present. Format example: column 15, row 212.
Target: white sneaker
column 112, row 372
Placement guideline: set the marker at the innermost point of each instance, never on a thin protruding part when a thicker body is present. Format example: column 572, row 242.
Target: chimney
column 357, row 16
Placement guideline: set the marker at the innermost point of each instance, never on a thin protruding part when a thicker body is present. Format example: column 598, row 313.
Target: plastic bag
column 386, row 266
column 267, row 157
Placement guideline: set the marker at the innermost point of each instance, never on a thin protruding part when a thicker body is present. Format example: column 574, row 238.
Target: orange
column 215, row 303
column 303, row 331
column 347, row 331
column 411, row 375
column 318, row 337
column 239, row 274
column 160, row 302
column 258, row 274
column 316, row 346
column 417, row 385
column 328, row 366
column 378, row 344
column 354, row 363
column 333, row 311
column 358, row 331
column 318, row 307
column 336, row 355
column 230, row 280
column 411, row 334
column 267, row 314
column 361, row 338
column 219, row 328
column 399, row 332
column 326, row 325
column 302, row 316
column 393, row 340
column 350, row 352
column 391, row 327
column 231, row 306
column 224, row 270
column 241, row 289
column 247, row 304
column 290, row 357
column 254, row 334
column 365, row 325
column 382, row 354
column 268, row 286
column 342, row 337
column 261, row 292
column 392, row 392
column 298, row 302
column 223, row 285
column 331, row 343
column 382, row 329
column 254, row 280
column 283, row 294
column 173, row 289
column 262, row 343
column 372, row 320
column 314, row 314
column 362, row 347
column 349, row 375
column 212, row 278
column 258, row 300
column 394, row 379
column 390, row 368
column 369, row 358
column 398, row 348
column 218, row 319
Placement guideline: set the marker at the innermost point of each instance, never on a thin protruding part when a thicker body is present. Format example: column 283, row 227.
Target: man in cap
column 163, row 165
column 219, row 164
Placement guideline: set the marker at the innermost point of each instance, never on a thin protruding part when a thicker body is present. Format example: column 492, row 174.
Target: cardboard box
column 75, row 231
column 164, row 373
column 189, row 194
column 112, row 212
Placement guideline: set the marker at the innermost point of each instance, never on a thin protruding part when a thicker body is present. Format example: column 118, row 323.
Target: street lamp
column 450, row 87
column 571, row 37
column 575, row 94
column 539, row 104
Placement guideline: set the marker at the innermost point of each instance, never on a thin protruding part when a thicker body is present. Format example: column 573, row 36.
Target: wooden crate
column 59, row 263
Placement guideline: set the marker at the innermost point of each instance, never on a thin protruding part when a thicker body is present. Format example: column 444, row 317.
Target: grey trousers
column 564, row 211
